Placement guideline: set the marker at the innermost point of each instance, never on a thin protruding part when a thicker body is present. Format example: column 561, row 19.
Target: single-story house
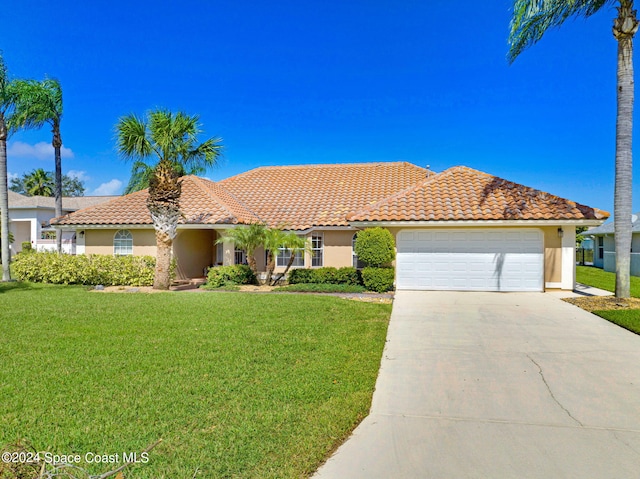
column 30, row 216
column 604, row 254
column 456, row 230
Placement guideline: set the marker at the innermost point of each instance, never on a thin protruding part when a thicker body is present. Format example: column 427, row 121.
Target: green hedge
column 51, row 267
column 225, row 275
column 327, row 275
column 379, row 280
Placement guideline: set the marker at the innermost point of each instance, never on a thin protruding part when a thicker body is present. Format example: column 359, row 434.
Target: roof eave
column 550, row 222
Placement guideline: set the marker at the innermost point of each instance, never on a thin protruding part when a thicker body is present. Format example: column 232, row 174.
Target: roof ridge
column 388, row 199
column 200, row 182
column 327, row 165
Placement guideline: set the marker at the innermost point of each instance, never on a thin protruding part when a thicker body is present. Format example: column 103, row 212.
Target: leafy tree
column 531, row 20
column 375, row 246
column 6, row 107
column 41, row 183
column 39, row 103
column 248, row 238
column 171, row 140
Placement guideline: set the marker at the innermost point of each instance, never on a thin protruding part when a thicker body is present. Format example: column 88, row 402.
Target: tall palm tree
column 39, row 183
column 141, row 173
column 248, row 238
column 6, row 105
column 39, row 103
column 171, row 139
column 531, row 19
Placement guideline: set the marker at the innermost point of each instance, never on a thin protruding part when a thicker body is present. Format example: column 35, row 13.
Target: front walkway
column 491, row 385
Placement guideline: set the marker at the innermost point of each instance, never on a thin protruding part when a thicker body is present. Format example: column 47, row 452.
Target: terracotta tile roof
column 202, row 202
column 69, row 203
column 461, row 193
column 299, row 197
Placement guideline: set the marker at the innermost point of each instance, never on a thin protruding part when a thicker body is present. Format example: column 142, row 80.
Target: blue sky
column 290, row 82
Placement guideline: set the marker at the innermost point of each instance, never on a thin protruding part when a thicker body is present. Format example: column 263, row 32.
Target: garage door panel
column 488, row 260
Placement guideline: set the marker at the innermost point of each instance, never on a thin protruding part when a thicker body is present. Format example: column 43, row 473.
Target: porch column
column 228, row 251
column 568, row 258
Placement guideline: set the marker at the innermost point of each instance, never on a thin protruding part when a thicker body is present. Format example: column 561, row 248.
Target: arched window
column 123, row 243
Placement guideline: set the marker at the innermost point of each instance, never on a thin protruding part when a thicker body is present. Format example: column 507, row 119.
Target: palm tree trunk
column 286, row 270
column 4, row 202
column 57, row 145
column 162, row 278
column 271, row 266
column 625, row 26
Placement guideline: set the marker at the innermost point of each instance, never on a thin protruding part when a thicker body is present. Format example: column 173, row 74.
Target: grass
column 322, row 288
column 627, row 318
column 237, row 386
column 599, row 278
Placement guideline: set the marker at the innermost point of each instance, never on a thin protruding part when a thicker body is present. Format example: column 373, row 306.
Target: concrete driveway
column 494, row 385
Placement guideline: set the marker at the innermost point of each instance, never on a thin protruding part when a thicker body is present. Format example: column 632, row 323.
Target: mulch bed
column 603, row 303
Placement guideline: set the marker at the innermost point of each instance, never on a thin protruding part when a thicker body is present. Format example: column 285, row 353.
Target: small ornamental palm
column 247, row 238
column 294, row 244
column 171, row 139
column 531, row 20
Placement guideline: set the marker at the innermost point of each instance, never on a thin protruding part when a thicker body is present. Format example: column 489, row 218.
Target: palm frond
column 532, row 18
column 36, row 103
column 133, row 138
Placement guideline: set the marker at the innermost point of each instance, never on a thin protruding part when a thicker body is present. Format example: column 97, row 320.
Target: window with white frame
column 123, row 243
column 284, row 255
column 317, row 249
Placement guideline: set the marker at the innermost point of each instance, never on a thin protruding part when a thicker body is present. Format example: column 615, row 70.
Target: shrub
column 349, row 275
column 51, row 267
column 230, row 275
column 321, row 288
column 301, row 275
column 375, row 246
column 379, row 280
column 26, row 246
column 326, row 275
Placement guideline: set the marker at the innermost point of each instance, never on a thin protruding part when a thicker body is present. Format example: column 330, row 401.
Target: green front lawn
column 599, row 278
column 236, row 385
column 627, row 318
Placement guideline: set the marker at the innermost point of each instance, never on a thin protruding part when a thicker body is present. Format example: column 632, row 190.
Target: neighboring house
column 604, row 249
column 460, row 229
column 30, row 216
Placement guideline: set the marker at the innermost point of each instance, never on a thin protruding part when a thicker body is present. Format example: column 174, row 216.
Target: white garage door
column 470, row 260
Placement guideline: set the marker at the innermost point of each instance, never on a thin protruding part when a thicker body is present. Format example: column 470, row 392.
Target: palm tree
column 293, row 243
column 6, row 105
column 248, row 238
column 142, row 172
column 171, row 139
column 274, row 239
column 39, row 103
column 531, row 19
column 39, row 183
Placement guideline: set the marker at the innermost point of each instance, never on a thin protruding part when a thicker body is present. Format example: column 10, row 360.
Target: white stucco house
column 29, row 218
column 604, row 249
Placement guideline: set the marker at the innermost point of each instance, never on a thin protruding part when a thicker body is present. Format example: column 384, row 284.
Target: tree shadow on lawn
column 14, row 286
